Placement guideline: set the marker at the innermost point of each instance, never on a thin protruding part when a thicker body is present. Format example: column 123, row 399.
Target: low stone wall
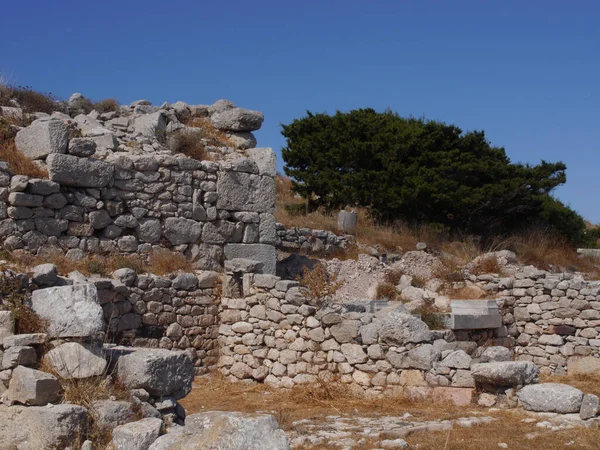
column 273, row 335
column 553, row 317
column 133, row 203
column 311, row 241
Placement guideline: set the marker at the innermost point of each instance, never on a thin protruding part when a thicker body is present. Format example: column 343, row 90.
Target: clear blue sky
column 526, row 72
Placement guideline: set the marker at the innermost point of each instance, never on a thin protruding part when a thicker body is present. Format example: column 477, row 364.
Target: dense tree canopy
column 422, row 172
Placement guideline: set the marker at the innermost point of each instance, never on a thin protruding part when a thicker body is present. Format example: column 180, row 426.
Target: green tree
column 422, row 172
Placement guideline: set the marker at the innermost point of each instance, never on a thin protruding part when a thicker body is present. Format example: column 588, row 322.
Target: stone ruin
column 119, row 189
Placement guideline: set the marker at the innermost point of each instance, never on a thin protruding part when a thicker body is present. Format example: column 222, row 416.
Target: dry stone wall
column 133, row 203
column 306, row 240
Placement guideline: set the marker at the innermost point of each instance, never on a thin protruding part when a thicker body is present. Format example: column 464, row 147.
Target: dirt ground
column 329, row 416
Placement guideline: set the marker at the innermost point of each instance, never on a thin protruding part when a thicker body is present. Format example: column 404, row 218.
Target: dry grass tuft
column 319, row 285
column 30, row 101
column 107, row 105
column 163, row 261
column 13, row 298
column 189, row 143
column 393, row 276
column 204, row 127
column 486, row 265
column 588, row 383
column 386, row 291
column 18, row 163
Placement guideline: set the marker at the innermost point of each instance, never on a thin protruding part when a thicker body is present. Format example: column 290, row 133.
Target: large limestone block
column 70, row 170
column 111, row 413
column 226, row 431
column 240, row 191
column 265, row 160
column 73, row 360
column 137, row 435
column 32, row 387
column 180, row 230
column 398, row 327
column 422, row 357
column 71, row 311
column 474, row 314
column 551, row 397
column 41, row 427
column 160, row 372
column 237, row 119
column 506, row 373
column 263, row 253
column 43, row 138
column 151, row 125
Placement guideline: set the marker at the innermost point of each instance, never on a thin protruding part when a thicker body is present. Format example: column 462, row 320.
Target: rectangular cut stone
column 239, row 191
column 257, row 252
column 474, row 314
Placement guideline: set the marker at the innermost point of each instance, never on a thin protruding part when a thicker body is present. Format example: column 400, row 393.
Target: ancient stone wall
column 132, row 203
column 311, row 241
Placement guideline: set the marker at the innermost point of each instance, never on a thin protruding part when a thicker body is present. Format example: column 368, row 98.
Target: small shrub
column 386, row 291
column 393, row 276
column 94, row 265
column 189, row 143
column 126, row 262
column 107, row 105
column 430, row 315
column 30, row 101
column 204, row 127
column 18, row 163
column 14, row 299
column 318, row 284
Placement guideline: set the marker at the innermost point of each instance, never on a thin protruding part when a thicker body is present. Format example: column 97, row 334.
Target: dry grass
column 189, row 143
column 316, row 402
column 588, row 383
column 29, row 100
column 204, row 127
column 107, row 105
column 466, row 293
column 486, row 265
column 319, row 285
column 13, row 297
column 386, row 291
column 18, row 163
column 160, row 262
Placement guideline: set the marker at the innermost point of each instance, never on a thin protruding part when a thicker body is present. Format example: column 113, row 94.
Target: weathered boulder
column 82, row 147
column 583, row 365
column 41, row 427
column 111, row 413
column 45, row 275
column 551, row 397
column 136, row 435
column 237, row 119
column 32, row 387
column 226, row 431
column 398, row 327
column 18, row 355
column 458, row 359
column 24, row 339
column 73, row 171
column 73, row 360
column 151, row 125
column 71, row 311
column 506, row 373
column 160, row 372
column 42, row 138
column 590, row 405
column 242, row 139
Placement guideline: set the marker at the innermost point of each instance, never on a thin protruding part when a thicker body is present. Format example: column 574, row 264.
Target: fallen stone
column 226, row 431
column 24, row 339
column 45, row 275
column 43, row 138
column 506, row 373
column 496, row 354
column 589, row 406
column 551, row 397
column 41, row 427
column 71, row 311
column 262, row 253
column 237, row 119
column 398, row 327
column 111, row 413
column 32, row 387
column 19, row 355
column 73, row 360
column 136, row 435
column 422, row 357
column 160, row 372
